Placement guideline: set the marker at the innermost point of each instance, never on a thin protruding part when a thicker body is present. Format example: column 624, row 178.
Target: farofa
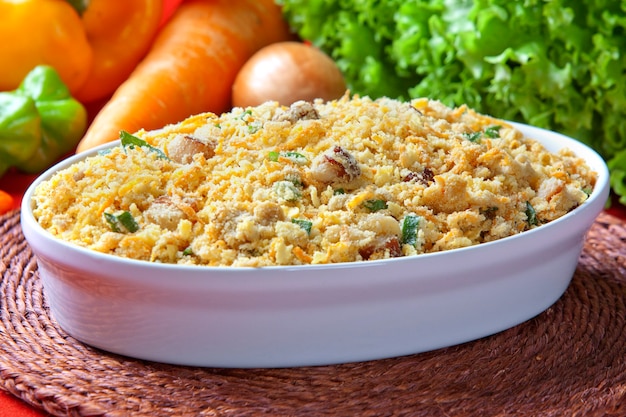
column 324, row 182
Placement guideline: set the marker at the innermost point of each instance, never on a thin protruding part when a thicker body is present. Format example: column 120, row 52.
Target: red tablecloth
column 11, row 406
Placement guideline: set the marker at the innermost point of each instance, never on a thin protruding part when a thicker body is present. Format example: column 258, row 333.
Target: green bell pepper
column 40, row 122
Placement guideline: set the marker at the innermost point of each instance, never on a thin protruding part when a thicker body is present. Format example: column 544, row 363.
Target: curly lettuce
column 558, row 64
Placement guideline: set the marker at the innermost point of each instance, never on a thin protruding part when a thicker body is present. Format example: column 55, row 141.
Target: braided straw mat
column 568, row 361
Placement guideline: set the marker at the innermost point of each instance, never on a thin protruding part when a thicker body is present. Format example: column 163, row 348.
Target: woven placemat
column 568, row 361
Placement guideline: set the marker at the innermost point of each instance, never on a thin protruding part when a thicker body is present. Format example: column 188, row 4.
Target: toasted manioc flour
column 324, row 182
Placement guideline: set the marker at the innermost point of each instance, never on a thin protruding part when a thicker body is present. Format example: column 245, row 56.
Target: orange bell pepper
column 94, row 46
column 42, row 32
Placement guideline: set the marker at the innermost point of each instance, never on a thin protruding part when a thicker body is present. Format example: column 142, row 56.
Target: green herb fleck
column 111, row 219
column 128, row 221
column 339, row 191
column 273, row 156
column 287, row 190
column 121, row 222
column 294, row 178
column 304, row 224
column 472, row 137
column 409, row 229
column 531, row 215
column 132, row 141
column 254, row 127
column 375, row 205
column 489, row 212
column 294, row 157
column 188, row 251
column 490, row 132
column 493, row 131
column 244, row 114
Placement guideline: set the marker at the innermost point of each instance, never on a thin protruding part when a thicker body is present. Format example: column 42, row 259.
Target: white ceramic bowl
column 311, row 315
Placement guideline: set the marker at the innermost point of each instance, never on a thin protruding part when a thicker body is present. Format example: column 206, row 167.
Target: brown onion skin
column 287, row 72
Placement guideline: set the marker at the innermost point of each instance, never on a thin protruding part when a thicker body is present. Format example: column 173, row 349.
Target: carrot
column 6, row 202
column 191, row 66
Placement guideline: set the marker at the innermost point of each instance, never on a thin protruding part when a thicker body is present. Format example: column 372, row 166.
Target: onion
column 287, row 72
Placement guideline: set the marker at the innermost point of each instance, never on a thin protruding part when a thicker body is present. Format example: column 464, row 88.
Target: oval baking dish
column 311, row 314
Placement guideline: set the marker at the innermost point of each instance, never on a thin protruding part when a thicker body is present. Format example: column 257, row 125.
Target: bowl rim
column 600, row 193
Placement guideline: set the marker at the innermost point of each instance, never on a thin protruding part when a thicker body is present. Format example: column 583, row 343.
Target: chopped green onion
column 304, row 224
column 489, row 212
column 375, row 205
column 339, row 191
column 531, row 215
column 254, row 127
column 295, row 179
column 131, row 141
column 188, row 251
column 128, row 221
column 490, row 132
column 244, row 114
column 409, row 229
column 122, row 222
column 112, row 221
column 294, row 157
column 472, row 137
column 287, row 190
column 273, row 156
column 493, row 131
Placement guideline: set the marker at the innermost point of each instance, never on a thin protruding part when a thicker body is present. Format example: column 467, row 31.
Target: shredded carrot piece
column 302, row 255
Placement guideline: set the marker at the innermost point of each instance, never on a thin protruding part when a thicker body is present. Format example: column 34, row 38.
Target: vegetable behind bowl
column 39, row 122
column 287, row 72
column 93, row 44
column 190, row 67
